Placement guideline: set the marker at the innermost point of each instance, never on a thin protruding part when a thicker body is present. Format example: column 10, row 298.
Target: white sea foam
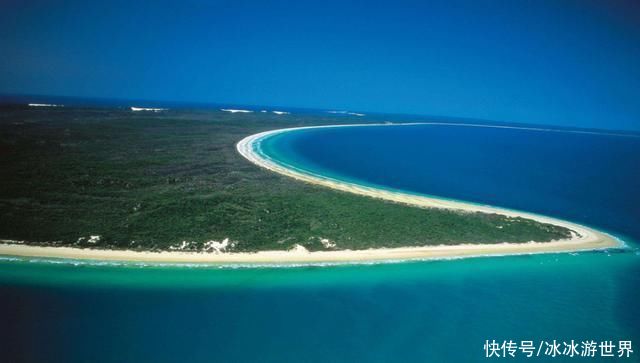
column 232, row 110
column 280, row 112
column 347, row 113
column 44, row 105
column 135, row 109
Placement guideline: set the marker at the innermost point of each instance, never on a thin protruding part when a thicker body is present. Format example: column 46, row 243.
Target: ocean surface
column 435, row 311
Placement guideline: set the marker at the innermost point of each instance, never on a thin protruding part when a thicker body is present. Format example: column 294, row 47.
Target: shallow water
column 73, row 311
column 434, row 311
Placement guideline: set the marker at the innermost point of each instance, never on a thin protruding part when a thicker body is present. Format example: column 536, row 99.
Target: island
column 190, row 186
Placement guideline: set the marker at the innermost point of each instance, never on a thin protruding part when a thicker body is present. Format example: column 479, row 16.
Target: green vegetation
column 148, row 181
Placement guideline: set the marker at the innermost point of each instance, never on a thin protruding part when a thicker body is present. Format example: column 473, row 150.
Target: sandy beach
column 301, row 256
column 584, row 238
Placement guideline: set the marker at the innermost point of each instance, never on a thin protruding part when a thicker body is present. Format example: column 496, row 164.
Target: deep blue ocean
column 585, row 177
column 437, row 311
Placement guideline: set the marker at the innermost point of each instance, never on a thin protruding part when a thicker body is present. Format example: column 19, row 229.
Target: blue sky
column 570, row 63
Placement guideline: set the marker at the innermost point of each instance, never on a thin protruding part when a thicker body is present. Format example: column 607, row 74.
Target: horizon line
column 210, row 105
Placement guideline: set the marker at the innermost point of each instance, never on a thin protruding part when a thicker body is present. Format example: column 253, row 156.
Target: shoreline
column 584, row 238
column 265, row 258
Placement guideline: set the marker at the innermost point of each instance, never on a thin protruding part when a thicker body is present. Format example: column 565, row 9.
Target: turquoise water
column 438, row 311
column 423, row 311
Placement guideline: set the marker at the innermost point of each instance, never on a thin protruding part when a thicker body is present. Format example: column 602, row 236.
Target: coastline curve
column 583, row 238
